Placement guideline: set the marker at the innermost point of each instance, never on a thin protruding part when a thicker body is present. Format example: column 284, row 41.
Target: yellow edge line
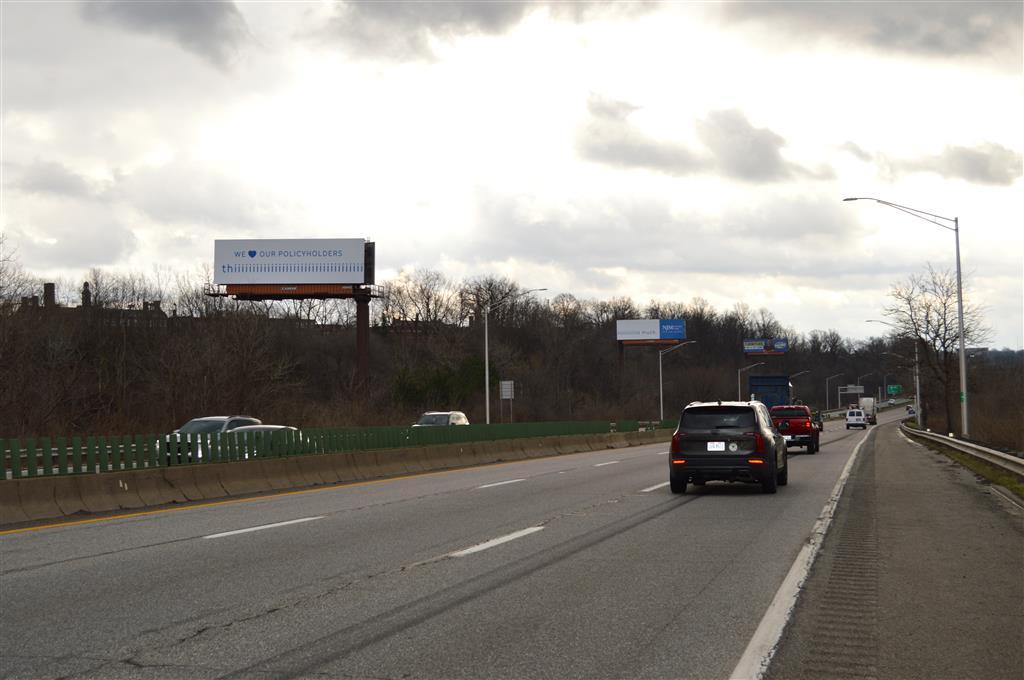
column 340, row 485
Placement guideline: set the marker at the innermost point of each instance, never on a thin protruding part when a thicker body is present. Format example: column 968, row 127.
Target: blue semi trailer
column 771, row 390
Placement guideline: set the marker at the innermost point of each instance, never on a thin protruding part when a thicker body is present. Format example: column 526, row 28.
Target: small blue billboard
column 672, row 329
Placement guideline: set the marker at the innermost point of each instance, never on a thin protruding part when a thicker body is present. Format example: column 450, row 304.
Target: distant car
column 796, row 425
column 441, row 418
column 252, row 443
column 856, row 418
column 727, row 440
column 892, row 402
column 202, row 426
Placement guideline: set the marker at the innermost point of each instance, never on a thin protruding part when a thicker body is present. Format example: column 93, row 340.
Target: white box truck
column 870, row 408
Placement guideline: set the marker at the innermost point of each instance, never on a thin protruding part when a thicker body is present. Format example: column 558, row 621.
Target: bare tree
column 925, row 307
column 14, row 281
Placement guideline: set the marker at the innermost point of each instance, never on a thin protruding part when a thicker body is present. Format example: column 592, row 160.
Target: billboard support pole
column 363, row 340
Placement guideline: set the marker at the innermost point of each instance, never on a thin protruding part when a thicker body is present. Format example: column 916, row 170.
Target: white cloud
column 649, row 150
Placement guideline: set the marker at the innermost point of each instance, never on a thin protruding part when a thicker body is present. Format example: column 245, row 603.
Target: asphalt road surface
column 581, row 566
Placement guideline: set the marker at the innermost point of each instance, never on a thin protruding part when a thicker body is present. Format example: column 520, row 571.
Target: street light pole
column 661, row 391
column 837, row 375
column 930, row 217
column 791, row 380
column 917, row 371
column 739, row 373
column 487, row 354
column 917, row 381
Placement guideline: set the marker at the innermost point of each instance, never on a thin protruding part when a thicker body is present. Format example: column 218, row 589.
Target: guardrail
column 1003, row 461
column 56, row 456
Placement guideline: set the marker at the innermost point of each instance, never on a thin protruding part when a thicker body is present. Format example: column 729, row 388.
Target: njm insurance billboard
column 314, row 260
column 654, row 331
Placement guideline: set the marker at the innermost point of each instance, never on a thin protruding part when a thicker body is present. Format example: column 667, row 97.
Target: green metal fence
column 48, row 456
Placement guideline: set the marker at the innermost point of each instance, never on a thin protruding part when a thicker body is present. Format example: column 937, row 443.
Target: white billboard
column 650, row 329
column 637, row 329
column 313, row 260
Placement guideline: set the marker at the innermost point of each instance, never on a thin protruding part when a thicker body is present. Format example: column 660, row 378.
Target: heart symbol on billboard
column 252, row 253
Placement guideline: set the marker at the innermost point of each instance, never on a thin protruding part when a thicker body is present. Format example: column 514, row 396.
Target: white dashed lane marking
column 264, row 526
column 494, row 541
column 507, row 481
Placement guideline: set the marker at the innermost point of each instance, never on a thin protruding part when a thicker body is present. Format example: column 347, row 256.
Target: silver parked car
column 201, row 426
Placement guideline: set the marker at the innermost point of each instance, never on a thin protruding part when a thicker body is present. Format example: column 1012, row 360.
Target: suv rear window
column 789, row 412
column 711, row 417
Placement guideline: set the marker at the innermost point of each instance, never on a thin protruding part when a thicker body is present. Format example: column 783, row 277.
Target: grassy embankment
column 991, row 473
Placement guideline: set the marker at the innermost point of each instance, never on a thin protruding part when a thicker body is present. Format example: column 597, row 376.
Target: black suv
column 727, row 440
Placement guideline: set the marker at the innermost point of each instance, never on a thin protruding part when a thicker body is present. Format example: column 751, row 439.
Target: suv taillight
column 758, row 441
column 675, row 442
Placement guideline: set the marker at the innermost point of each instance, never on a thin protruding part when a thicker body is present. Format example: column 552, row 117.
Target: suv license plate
column 716, row 446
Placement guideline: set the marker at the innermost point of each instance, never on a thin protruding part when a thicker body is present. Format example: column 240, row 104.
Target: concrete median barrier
column 366, row 465
column 486, row 453
column 183, row 479
column 241, row 478
column 505, row 450
column 344, row 466
column 388, row 464
column 308, row 470
column 321, row 466
column 410, row 460
column 206, row 481
column 618, row 440
column 293, row 473
column 154, row 489
column 108, row 492
column 37, row 498
column 275, row 471
column 441, row 457
column 10, row 503
column 68, row 497
column 31, row 499
column 577, row 443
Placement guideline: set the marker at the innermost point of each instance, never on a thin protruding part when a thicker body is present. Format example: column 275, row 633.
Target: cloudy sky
column 655, row 150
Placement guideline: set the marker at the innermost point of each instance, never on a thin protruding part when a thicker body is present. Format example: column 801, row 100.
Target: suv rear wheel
column 677, row 485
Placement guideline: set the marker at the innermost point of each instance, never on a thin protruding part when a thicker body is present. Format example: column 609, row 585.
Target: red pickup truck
column 794, row 422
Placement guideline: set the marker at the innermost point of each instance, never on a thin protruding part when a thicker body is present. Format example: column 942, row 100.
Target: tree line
column 124, row 364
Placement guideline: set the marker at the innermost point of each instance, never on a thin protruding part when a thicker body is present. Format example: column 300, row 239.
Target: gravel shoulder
column 921, row 576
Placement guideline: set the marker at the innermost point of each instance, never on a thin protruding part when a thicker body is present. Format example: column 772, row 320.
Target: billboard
column 317, row 260
column 654, row 331
column 766, row 346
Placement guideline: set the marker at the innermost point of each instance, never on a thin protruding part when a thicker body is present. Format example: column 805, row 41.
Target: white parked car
column 855, row 417
column 441, row 418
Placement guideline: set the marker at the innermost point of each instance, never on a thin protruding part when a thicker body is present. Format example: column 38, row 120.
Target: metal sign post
column 507, row 391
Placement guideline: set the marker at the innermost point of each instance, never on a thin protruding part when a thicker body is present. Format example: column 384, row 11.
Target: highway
column 578, row 566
